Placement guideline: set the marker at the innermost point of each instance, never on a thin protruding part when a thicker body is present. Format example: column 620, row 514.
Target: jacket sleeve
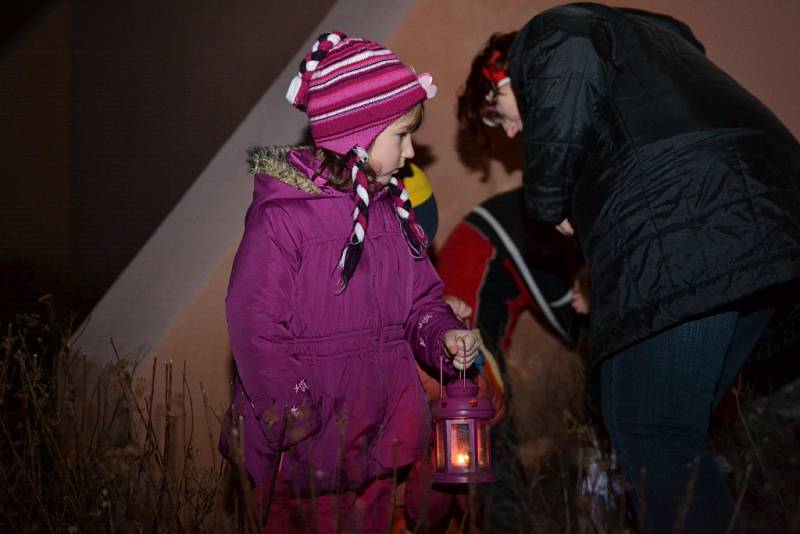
column 559, row 79
column 430, row 318
column 273, row 400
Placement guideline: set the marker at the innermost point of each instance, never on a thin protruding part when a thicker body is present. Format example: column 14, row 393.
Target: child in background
column 332, row 297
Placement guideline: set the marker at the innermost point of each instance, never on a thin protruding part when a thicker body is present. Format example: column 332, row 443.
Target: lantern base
column 463, row 478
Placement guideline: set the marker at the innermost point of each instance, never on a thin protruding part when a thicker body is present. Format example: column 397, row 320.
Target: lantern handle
column 463, row 372
column 441, row 377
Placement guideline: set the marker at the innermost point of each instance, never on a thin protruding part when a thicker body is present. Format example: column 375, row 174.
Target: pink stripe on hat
column 370, row 85
column 357, row 71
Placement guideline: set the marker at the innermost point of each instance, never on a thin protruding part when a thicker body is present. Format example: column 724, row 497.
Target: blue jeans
column 658, row 397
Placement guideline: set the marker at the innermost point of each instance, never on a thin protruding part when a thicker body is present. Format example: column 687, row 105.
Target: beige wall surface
column 197, row 345
column 755, row 42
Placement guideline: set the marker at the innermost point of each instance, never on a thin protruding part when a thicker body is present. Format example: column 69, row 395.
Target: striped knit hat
column 352, row 89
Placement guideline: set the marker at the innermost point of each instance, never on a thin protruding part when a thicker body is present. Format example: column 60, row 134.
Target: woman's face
column 507, row 111
column 392, row 148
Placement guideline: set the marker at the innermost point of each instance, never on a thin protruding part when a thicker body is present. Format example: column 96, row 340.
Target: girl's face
column 505, row 112
column 393, row 147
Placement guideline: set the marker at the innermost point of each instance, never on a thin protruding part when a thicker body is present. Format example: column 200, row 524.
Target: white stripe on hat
column 349, row 61
column 353, row 73
column 372, row 100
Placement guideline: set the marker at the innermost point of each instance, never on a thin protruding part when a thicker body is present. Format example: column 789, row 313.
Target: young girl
column 332, row 296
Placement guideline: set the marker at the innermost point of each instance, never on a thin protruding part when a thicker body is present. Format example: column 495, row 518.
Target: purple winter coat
column 339, row 366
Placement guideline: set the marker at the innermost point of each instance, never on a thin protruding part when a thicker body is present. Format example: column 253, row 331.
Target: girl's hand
column 460, row 308
column 456, row 342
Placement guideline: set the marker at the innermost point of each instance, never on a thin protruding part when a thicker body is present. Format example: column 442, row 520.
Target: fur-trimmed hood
column 293, row 166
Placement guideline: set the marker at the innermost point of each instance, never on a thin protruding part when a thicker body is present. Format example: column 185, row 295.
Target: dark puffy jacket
column 683, row 188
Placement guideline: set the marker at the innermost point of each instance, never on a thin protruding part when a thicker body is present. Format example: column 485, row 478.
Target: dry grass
column 758, row 449
column 82, row 450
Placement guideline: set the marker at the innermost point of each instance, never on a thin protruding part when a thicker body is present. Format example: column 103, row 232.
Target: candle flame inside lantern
column 461, row 459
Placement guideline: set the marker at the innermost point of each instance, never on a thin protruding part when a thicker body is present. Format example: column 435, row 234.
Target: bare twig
column 739, row 499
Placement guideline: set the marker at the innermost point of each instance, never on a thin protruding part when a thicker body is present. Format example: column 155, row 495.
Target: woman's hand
column 565, row 228
column 462, row 345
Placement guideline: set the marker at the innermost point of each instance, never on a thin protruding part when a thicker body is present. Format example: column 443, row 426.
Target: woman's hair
column 336, row 165
column 473, row 104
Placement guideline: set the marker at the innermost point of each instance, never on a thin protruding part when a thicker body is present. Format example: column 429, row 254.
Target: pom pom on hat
column 297, row 95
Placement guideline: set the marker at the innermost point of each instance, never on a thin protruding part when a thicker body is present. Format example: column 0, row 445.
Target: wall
column 158, row 87
column 108, row 113
column 754, row 42
column 35, row 140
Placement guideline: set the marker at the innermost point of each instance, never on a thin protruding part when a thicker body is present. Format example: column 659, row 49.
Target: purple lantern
column 462, row 449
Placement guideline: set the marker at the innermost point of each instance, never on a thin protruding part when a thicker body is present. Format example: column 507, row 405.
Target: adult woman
column 683, row 191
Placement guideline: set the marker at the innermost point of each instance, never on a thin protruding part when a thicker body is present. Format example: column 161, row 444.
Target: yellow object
column 418, row 186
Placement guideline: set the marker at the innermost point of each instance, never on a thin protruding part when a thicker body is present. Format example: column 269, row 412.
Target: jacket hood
column 283, row 172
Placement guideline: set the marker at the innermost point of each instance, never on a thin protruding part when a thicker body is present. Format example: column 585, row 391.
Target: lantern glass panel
column 483, row 445
column 441, row 445
column 460, row 445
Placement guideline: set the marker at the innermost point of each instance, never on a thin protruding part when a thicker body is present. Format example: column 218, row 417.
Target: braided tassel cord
column 351, row 254
column 413, row 232
column 415, row 235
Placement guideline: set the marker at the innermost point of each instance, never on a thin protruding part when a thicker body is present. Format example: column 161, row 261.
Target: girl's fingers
column 461, row 365
column 463, row 348
column 465, row 357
